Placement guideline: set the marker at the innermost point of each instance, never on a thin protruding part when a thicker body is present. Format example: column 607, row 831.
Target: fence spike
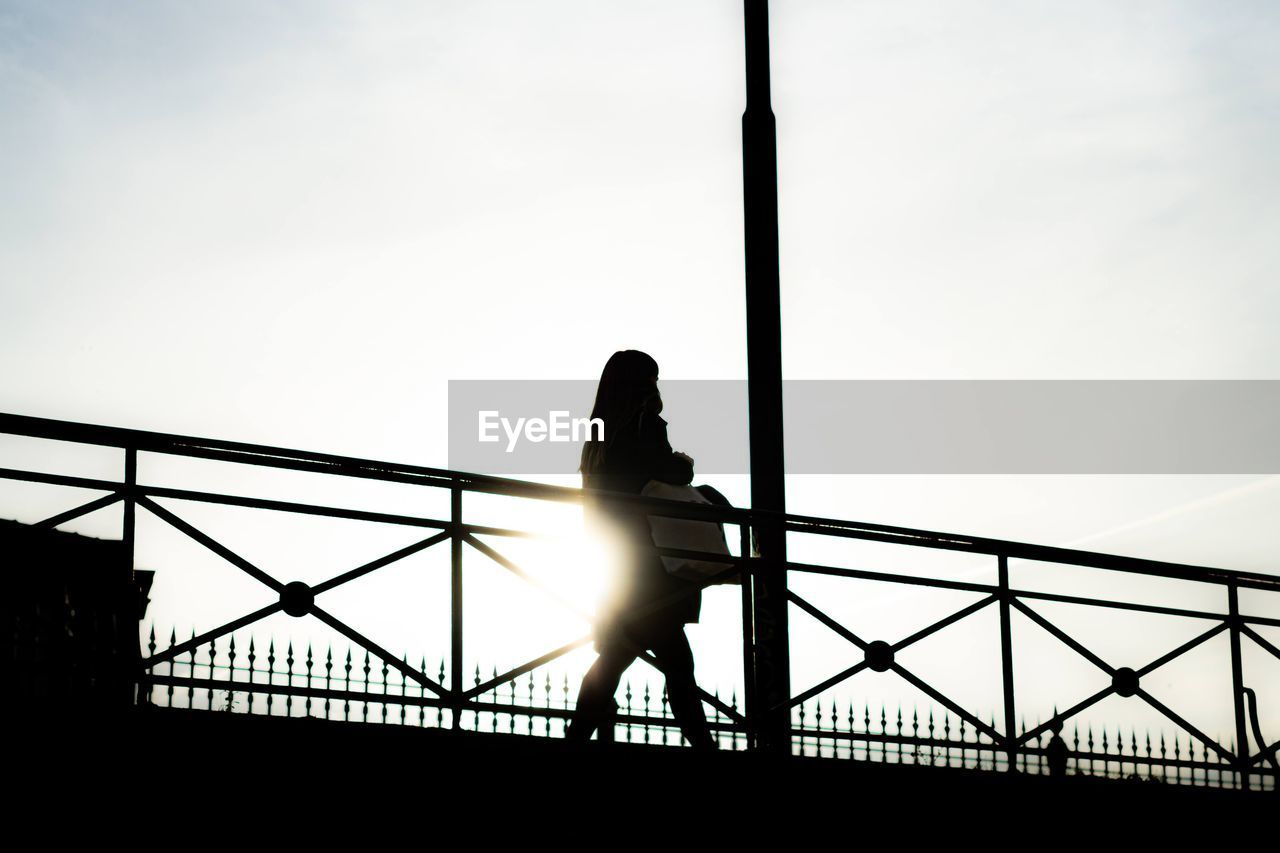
column 231, row 670
column 531, row 701
column 364, row 704
column 385, row 683
column 309, row 664
column 191, row 669
column 346, row 684
column 213, row 660
column 288, row 662
column 404, row 660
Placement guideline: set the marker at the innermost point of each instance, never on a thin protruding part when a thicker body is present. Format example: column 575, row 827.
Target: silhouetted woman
column 634, row 450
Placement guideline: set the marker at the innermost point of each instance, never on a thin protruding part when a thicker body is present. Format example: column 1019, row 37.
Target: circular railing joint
column 879, row 655
column 296, row 598
column 1125, row 681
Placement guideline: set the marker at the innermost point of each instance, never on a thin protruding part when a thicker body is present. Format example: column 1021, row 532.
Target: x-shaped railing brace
column 880, row 656
column 296, row 598
column 1124, row 682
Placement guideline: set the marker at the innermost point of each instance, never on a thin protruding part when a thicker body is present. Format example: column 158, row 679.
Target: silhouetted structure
column 71, row 608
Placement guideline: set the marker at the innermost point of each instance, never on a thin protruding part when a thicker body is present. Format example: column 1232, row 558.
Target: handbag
column 688, row 534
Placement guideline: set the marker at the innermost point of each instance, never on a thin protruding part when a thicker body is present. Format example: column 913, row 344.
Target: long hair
column 624, row 388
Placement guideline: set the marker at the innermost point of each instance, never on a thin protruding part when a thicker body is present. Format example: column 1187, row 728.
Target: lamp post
column 771, row 665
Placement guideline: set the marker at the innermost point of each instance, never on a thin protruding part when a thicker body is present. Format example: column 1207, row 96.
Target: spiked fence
column 351, row 685
column 946, row 733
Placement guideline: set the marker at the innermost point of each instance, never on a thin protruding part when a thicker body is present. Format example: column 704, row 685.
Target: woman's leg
column 595, row 707
column 676, row 659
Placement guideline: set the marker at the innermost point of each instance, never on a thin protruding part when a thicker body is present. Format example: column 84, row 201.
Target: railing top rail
column 1029, row 551
column 279, row 457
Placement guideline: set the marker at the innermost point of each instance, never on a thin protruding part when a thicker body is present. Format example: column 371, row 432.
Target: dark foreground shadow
column 161, row 769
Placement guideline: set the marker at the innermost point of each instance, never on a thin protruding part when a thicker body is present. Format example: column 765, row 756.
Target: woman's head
column 628, row 383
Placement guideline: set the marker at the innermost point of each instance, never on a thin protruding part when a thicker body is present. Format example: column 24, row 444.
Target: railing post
column 128, row 535
column 1237, row 684
column 1006, row 661
column 130, row 504
column 456, row 681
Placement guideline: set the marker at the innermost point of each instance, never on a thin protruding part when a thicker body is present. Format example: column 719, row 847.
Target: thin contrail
column 986, row 566
column 1223, row 496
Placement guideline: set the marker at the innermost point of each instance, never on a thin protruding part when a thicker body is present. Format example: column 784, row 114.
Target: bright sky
column 293, row 223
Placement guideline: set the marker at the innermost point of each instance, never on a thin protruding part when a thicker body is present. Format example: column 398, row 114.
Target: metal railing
column 1008, row 746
